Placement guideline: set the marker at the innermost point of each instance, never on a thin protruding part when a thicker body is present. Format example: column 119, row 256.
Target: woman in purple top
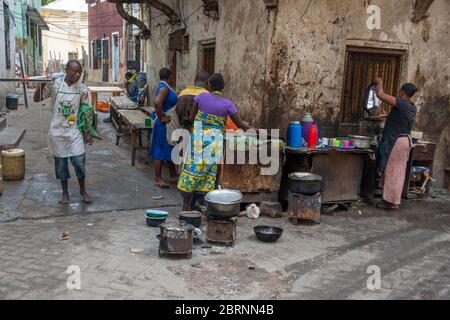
column 210, row 111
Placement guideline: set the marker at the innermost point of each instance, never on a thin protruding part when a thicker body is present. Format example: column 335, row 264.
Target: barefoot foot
column 64, row 199
column 161, row 184
column 86, row 197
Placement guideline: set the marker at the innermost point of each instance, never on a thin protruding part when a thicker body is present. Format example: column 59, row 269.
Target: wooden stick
column 22, row 72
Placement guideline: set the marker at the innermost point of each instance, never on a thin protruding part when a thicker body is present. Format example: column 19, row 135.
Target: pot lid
column 224, row 196
column 177, row 227
column 13, row 153
column 305, row 176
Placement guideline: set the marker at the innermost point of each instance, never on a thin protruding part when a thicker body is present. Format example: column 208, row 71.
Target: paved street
column 327, row 261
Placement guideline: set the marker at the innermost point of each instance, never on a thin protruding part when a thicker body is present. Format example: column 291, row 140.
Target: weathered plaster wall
column 280, row 65
column 6, row 87
column 240, row 35
column 307, row 64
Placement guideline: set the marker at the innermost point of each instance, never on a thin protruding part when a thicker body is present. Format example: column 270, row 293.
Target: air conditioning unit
column 271, row 4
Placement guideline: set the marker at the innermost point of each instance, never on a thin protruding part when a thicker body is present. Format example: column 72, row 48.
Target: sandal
column 162, row 185
column 387, row 206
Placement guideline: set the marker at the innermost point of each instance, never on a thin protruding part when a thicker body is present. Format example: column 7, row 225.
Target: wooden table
column 116, row 91
column 135, row 120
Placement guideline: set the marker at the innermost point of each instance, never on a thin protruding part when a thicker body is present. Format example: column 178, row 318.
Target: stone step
column 11, row 137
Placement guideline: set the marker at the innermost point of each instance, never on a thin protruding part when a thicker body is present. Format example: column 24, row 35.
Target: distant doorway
column 115, row 57
column 105, row 58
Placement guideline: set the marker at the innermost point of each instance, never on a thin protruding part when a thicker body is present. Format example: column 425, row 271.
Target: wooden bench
column 136, row 122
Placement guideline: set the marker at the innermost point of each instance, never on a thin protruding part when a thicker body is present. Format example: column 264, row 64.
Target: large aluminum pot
column 224, row 204
column 305, row 183
column 360, row 142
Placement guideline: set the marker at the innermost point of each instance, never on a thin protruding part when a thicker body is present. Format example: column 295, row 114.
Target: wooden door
column 361, row 65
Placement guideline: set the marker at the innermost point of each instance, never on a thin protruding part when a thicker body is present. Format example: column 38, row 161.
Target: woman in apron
column 65, row 141
column 395, row 145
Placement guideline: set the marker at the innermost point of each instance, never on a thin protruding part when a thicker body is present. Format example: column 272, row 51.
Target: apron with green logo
column 64, row 137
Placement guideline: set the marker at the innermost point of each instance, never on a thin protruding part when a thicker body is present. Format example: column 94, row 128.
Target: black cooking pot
column 305, row 183
column 191, row 217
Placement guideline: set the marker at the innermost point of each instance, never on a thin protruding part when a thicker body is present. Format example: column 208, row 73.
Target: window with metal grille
column 208, row 56
column 7, row 38
column 360, row 67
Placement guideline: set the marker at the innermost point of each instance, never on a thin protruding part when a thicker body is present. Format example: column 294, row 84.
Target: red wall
column 103, row 20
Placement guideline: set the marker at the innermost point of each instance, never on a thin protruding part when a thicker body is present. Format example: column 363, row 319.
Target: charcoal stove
column 220, row 231
column 176, row 239
column 304, row 207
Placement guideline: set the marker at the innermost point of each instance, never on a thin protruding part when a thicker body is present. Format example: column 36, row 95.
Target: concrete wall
column 61, row 42
column 240, row 35
column 308, row 60
column 6, row 87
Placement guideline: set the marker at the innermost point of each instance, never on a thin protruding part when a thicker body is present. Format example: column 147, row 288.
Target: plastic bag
column 253, row 211
column 372, row 103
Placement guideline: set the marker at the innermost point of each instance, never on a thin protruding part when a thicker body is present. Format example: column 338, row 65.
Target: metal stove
column 221, row 231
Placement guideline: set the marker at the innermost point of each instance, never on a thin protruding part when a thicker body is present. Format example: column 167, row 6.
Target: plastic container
column 156, row 214
column 103, row 106
column 12, row 101
column 307, row 122
column 13, row 164
column 295, row 135
column 313, row 137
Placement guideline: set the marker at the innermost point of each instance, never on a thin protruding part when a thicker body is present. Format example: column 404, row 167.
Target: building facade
column 106, row 42
column 29, row 26
column 7, row 49
column 67, row 37
column 281, row 59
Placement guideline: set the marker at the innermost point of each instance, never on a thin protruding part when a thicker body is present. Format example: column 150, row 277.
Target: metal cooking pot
column 360, row 142
column 305, row 183
column 224, row 204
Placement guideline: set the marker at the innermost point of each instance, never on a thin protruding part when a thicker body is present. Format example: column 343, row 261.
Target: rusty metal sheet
column 342, row 174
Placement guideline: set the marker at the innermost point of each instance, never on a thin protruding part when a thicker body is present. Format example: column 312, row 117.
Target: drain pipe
column 146, row 33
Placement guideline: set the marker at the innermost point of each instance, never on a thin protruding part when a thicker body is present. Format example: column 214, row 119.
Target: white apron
column 64, row 138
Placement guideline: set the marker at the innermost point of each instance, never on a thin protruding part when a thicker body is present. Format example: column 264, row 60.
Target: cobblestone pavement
column 327, row 261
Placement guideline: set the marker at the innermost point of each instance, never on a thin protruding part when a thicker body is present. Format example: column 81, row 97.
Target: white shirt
column 64, row 137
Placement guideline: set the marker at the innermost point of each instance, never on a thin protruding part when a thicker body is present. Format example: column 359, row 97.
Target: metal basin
column 224, row 204
column 360, row 142
column 268, row 234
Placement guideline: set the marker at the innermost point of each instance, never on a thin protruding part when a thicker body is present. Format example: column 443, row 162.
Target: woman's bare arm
column 238, row 121
column 160, row 98
column 390, row 100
